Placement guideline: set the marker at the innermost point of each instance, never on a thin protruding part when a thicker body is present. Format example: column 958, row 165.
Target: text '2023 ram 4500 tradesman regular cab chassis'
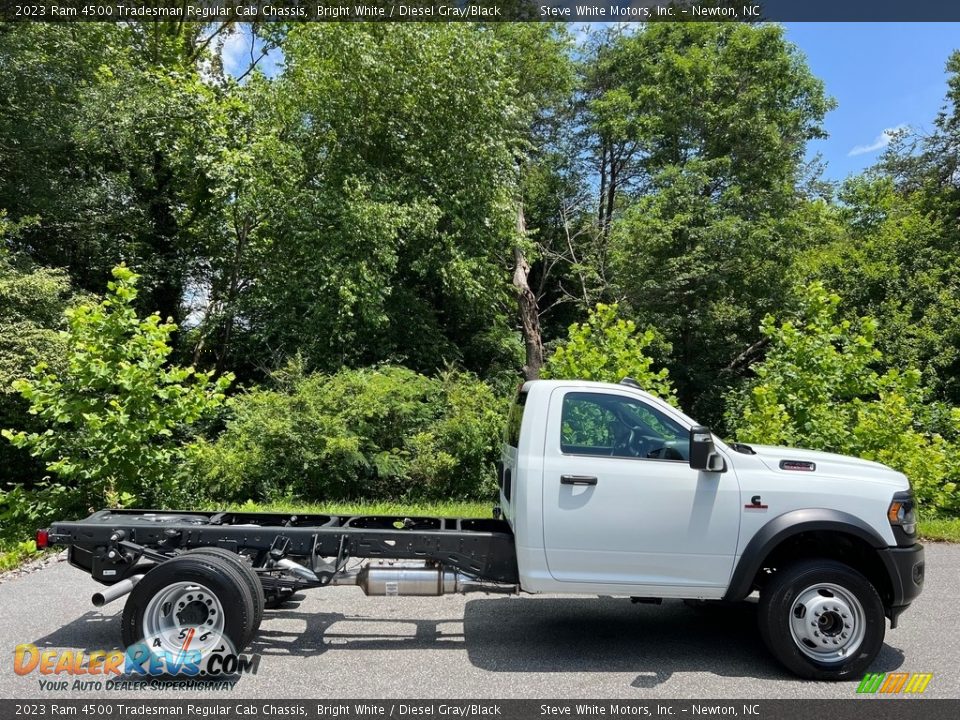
column 604, row 490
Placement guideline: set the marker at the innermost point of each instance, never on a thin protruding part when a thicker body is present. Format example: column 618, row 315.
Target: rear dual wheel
column 822, row 619
column 248, row 573
column 194, row 601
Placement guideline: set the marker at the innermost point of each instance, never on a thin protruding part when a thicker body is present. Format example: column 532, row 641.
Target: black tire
column 249, row 574
column 782, row 611
column 215, row 573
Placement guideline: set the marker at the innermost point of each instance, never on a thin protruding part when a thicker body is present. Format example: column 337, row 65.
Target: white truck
column 604, row 490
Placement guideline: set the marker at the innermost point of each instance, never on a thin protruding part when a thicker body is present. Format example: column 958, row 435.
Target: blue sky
column 236, row 53
column 882, row 75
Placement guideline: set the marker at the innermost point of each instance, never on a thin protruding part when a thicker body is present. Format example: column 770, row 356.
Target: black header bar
column 608, row 11
column 228, row 707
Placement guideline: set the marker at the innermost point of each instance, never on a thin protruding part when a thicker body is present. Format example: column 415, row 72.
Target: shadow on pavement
column 559, row 635
column 613, row 635
column 518, row 635
column 91, row 631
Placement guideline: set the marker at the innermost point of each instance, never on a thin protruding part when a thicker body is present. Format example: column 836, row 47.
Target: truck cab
column 610, row 490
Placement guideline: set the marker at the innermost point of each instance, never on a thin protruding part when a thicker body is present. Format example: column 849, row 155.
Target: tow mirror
column 703, row 456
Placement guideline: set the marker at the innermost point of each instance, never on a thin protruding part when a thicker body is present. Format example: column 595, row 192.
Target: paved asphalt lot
column 337, row 643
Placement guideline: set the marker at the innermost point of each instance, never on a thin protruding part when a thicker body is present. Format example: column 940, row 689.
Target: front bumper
column 906, row 568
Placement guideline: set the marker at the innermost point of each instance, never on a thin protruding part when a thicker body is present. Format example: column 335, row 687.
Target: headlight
column 902, row 515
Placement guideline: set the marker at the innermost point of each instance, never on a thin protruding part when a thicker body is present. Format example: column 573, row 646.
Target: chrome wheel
column 184, row 616
column 827, row 623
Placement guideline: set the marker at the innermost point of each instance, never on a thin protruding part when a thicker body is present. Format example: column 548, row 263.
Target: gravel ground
column 337, row 643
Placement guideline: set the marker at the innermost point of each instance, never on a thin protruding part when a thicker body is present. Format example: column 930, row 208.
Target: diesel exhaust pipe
column 295, row 568
column 115, row 591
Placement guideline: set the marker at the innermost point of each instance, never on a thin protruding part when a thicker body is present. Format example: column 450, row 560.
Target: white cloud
column 882, row 140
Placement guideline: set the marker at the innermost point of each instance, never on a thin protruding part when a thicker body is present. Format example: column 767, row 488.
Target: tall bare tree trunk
column 527, row 305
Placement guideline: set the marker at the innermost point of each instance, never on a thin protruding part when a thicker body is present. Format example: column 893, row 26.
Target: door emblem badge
column 755, row 504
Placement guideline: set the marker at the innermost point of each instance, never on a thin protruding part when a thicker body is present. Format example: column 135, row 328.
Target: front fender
column 786, row 526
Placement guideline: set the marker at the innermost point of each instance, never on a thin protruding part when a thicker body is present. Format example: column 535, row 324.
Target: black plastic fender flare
column 785, row 526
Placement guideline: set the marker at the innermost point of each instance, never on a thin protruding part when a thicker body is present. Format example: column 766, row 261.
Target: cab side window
column 619, row 426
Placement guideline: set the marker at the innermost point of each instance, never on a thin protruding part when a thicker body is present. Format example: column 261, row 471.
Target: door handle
column 578, row 480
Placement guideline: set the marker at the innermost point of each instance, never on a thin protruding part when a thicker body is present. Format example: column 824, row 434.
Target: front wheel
column 822, row 619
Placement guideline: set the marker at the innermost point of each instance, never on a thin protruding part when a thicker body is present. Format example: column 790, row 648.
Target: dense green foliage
column 32, row 302
column 381, row 173
column 384, row 432
column 381, row 236
column 818, row 388
column 608, row 348
column 115, row 410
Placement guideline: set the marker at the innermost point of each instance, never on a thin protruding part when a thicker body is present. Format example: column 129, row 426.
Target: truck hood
column 830, row 464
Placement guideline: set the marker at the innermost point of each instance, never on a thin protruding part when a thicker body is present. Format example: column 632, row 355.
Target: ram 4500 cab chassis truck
column 604, row 490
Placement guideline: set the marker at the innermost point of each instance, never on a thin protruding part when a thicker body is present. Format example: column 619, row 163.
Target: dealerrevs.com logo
column 140, row 666
column 894, row 683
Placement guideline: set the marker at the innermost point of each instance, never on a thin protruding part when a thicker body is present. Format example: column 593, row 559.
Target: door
column 620, row 502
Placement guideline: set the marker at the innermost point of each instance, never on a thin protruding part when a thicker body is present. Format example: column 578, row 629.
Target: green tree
column 608, row 348
column 818, row 387
column 32, row 302
column 699, row 164
column 116, row 412
column 359, row 207
column 896, row 257
column 396, row 148
column 896, row 261
column 104, row 137
column 44, row 171
column 542, row 74
column 255, row 193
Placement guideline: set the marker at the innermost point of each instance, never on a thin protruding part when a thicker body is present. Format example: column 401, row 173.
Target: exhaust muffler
column 395, row 579
column 398, row 578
